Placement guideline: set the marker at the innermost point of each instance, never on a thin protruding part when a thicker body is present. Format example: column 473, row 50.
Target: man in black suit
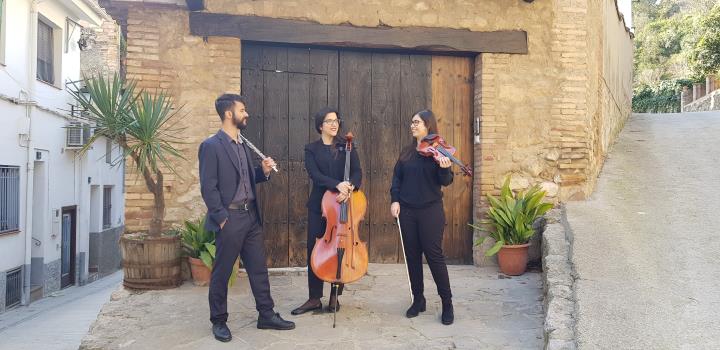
column 227, row 184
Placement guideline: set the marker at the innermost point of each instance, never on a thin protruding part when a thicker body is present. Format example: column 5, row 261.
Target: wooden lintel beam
column 425, row 39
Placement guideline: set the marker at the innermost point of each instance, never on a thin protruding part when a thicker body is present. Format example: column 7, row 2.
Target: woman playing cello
column 325, row 166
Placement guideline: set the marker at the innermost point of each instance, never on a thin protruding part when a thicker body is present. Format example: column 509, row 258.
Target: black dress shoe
column 448, row 314
column 310, row 305
column 333, row 305
column 418, row 306
column 275, row 322
column 222, row 332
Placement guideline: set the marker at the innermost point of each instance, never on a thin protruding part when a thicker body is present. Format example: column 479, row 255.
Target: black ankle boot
column 417, row 307
column 448, row 314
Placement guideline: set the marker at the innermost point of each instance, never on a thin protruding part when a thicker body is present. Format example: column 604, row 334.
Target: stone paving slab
column 492, row 312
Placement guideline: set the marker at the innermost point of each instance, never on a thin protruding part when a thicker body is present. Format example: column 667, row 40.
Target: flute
column 255, row 149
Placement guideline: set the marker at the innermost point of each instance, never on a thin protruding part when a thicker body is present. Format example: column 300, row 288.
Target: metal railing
column 13, row 288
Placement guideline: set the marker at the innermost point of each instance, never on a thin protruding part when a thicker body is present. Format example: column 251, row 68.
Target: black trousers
column 422, row 231
column 316, row 229
column 242, row 235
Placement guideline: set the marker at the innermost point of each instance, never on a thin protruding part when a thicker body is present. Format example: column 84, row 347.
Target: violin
column 433, row 145
column 339, row 257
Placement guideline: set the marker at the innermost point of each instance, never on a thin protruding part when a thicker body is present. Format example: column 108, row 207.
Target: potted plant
column 199, row 245
column 511, row 218
column 143, row 125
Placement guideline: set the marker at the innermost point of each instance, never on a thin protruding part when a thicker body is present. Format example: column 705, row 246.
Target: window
column 45, row 53
column 108, row 151
column 9, row 198
column 107, row 206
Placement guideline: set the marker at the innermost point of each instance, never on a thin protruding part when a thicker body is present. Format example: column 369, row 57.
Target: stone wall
column 104, row 253
column 709, row 102
column 102, row 55
column 541, row 114
column 611, row 84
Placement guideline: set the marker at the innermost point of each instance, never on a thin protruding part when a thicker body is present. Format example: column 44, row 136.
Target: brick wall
column 162, row 55
column 102, row 55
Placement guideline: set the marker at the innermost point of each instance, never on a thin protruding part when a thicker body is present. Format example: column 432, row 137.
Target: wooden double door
column 376, row 94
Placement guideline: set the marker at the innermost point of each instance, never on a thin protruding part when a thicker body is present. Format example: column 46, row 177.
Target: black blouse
column 326, row 170
column 416, row 181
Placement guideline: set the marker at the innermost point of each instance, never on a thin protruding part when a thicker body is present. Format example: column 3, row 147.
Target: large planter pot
column 513, row 259
column 150, row 262
column 200, row 272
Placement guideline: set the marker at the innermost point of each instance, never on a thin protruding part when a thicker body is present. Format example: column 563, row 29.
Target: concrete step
column 36, row 293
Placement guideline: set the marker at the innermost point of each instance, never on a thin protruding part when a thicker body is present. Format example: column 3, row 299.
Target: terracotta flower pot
column 513, row 259
column 200, row 272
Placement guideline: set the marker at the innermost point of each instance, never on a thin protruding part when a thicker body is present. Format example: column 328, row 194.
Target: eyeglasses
column 332, row 121
column 415, row 122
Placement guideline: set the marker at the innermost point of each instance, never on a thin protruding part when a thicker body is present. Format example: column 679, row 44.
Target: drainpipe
column 30, row 165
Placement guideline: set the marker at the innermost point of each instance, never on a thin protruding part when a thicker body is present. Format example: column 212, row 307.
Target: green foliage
column 144, row 125
column 668, row 34
column 511, row 216
column 705, row 56
column 199, row 243
column 195, row 240
column 663, row 98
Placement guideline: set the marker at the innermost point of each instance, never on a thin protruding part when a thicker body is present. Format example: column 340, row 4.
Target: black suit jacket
column 327, row 171
column 220, row 177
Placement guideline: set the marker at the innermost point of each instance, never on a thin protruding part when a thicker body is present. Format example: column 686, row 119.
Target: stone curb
column 558, row 284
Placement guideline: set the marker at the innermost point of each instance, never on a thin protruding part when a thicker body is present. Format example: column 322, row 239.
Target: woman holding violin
column 417, row 200
column 325, row 164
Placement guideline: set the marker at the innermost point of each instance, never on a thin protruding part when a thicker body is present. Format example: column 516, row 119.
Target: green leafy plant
column 144, row 125
column 705, row 56
column 199, row 243
column 511, row 216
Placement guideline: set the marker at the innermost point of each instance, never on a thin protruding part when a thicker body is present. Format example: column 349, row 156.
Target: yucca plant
column 144, row 125
column 511, row 216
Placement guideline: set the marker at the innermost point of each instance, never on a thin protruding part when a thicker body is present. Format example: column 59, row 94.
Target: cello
column 339, row 257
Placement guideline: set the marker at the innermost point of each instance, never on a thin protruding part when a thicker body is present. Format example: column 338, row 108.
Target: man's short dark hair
column 226, row 102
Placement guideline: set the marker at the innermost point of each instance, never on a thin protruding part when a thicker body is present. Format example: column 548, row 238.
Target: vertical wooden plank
column 355, row 101
column 452, row 104
column 298, row 105
column 251, row 56
column 462, row 139
column 333, row 75
column 443, row 101
column 416, row 95
column 298, row 60
column 386, row 108
column 275, row 207
column 252, row 89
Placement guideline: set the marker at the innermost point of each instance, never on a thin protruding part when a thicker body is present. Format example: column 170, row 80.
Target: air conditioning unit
column 78, row 135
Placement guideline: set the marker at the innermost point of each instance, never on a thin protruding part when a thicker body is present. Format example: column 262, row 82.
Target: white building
column 60, row 215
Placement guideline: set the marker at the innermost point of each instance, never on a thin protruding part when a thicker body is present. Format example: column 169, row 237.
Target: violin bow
column 255, row 149
column 407, row 270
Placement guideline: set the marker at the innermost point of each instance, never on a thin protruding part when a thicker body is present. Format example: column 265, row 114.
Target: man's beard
column 240, row 124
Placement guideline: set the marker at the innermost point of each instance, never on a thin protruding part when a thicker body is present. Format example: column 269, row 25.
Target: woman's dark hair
column 320, row 119
column 428, row 118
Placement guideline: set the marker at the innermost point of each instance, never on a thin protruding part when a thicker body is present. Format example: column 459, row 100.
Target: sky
column 625, row 8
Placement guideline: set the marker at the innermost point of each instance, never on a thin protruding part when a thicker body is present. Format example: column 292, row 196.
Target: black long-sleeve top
column 326, row 170
column 416, row 181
